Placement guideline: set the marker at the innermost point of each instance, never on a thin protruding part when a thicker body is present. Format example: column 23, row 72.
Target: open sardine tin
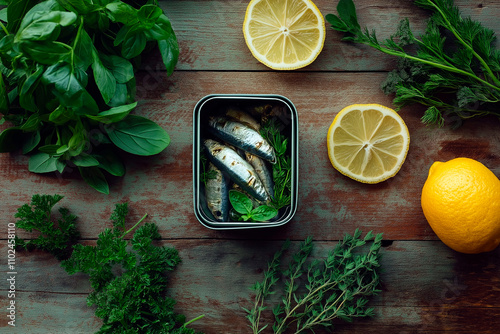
column 260, row 108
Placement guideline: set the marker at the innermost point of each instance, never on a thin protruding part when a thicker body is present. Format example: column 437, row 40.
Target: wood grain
column 426, row 287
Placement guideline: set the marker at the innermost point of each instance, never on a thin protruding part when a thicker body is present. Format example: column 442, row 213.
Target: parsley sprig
column 453, row 68
column 55, row 236
column 127, row 275
column 339, row 287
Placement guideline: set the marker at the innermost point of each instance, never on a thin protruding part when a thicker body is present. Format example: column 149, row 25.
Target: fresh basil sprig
column 242, row 204
column 67, row 83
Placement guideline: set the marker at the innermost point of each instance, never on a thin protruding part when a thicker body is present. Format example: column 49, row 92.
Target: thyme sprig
column 339, row 287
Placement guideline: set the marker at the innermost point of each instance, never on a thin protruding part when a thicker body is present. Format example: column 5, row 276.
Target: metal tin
column 212, row 104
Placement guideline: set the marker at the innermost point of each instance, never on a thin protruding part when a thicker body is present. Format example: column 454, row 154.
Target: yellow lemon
column 284, row 34
column 368, row 142
column 461, row 202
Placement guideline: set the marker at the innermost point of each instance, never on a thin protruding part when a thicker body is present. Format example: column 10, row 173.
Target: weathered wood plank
column 418, row 294
column 329, row 203
column 210, row 33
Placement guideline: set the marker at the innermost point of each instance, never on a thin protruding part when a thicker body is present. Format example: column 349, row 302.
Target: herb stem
column 193, row 320
column 431, row 63
column 4, row 28
column 450, row 27
column 133, row 227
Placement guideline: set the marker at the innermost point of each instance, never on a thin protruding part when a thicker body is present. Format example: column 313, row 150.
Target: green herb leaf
column 16, row 11
column 4, row 106
column 85, row 160
column 110, row 162
column 10, row 139
column 42, row 163
column 240, row 202
column 138, row 135
column 32, row 141
column 114, row 115
column 55, row 236
column 95, row 178
column 104, row 79
column 264, row 213
column 133, row 45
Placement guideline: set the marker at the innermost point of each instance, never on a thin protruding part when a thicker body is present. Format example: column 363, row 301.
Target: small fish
column 243, row 117
column 262, row 171
column 217, row 194
column 242, row 136
column 240, row 171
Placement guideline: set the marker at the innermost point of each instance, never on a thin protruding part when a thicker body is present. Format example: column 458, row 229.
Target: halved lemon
column 368, row 142
column 284, row 34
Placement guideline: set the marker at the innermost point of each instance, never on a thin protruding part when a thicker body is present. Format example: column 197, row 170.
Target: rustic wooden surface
column 427, row 288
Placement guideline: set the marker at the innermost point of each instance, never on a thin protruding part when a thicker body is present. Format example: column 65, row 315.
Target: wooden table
column 426, row 287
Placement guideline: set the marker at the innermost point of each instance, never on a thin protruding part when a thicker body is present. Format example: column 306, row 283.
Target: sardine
column 217, row 194
column 241, row 136
column 240, row 171
column 243, row 117
column 262, row 171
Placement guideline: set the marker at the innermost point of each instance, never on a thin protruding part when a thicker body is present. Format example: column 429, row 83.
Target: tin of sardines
column 245, row 161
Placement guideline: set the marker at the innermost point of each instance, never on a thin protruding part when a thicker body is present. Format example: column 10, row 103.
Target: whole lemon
column 461, row 202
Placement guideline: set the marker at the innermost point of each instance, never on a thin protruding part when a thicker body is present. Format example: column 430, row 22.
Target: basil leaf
column 83, row 51
column 16, row 10
column 85, row 160
column 47, row 53
column 50, row 149
column 110, row 162
column 104, row 79
column 31, row 141
column 42, row 163
column 3, row 14
column 33, row 123
column 10, row 139
column 78, row 6
column 26, row 99
column 36, row 11
column 121, row 97
column 263, row 213
column 61, row 75
column 40, row 31
column 169, row 50
column 122, row 12
column 138, row 135
column 148, row 14
column 133, row 45
column 114, row 115
column 240, row 202
column 4, row 106
column 95, row 178
column 122, row 69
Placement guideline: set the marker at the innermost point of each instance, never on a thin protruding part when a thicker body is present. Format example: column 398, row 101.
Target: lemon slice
column 284, row 34
column 368, row 142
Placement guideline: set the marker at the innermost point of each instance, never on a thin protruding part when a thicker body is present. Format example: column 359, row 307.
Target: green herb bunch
column 55, row 237
column 282, row 169
column 315, row 294
column 245, row 210
column 127, row 275
column 453, row 68
column 67, row 83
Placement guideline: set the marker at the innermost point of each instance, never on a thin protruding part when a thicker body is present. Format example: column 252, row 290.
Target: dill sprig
column 339, row 287
column 453, row 68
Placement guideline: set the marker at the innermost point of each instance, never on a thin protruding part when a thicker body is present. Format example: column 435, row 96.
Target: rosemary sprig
column 339, row 287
